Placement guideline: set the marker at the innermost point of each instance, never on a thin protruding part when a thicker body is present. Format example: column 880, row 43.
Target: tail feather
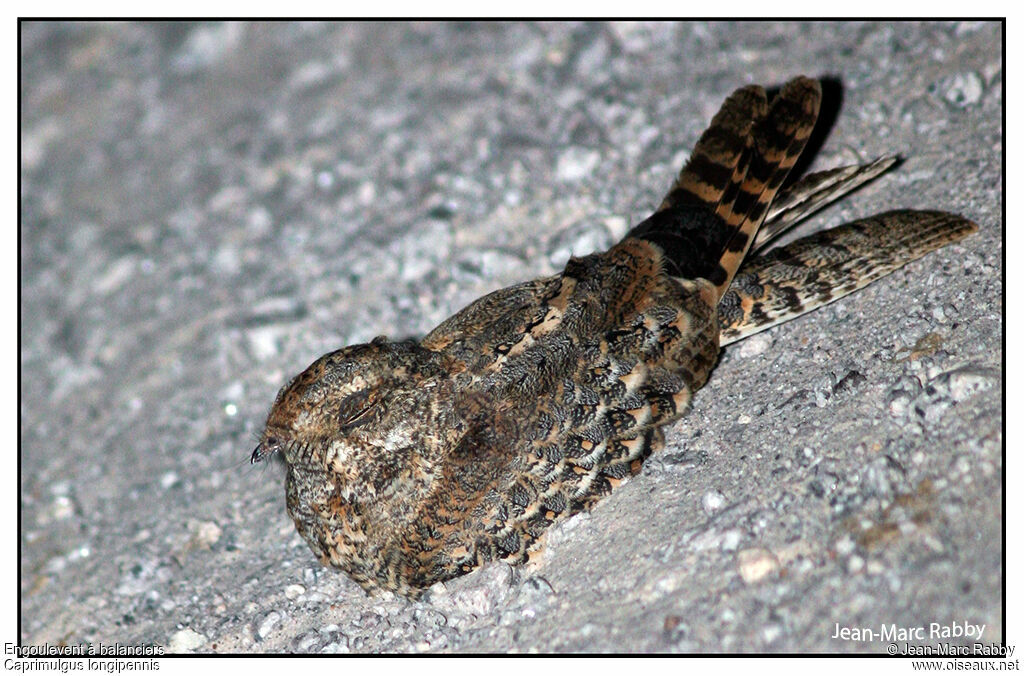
column 720, row 159
column 779, row 138
column 792, row 280
column 708, row 220
column 813, row 192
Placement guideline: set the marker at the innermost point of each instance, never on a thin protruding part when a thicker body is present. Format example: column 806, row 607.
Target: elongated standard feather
column 816, row 270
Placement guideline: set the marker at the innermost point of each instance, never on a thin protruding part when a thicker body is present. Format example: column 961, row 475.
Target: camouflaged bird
column 413, row 462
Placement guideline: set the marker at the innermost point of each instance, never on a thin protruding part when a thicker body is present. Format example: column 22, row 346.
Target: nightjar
column 416, row 461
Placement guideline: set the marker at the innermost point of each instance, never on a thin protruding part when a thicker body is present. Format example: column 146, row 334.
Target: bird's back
column 569, row 379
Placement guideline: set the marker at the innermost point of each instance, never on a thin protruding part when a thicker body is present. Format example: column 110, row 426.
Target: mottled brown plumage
column 414, row 462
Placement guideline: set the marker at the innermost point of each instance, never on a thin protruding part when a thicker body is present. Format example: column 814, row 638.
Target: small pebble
column 968, row 381
column 62, row 507
column 845, row 546
column 270, row 620
column 755, row 345
column 855, row 564
column 960, row 467
column 731, row 540
column 204, row 533
column 771, row 632
column 712, row 502
column 965, row 89
column 336, row 648
column 756, row 563
column 577, row 163
column 185, row 641
column 428, row 617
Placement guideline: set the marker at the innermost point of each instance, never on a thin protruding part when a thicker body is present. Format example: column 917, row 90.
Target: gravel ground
column 207, row 208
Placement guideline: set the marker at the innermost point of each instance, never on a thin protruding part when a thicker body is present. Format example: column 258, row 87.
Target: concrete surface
column 208, row 208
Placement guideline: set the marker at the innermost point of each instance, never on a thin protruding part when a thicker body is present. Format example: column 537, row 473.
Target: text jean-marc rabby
column 895, row 632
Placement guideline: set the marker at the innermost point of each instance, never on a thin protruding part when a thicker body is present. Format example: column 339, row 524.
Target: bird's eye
column 354, row 409
column 265, row 449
